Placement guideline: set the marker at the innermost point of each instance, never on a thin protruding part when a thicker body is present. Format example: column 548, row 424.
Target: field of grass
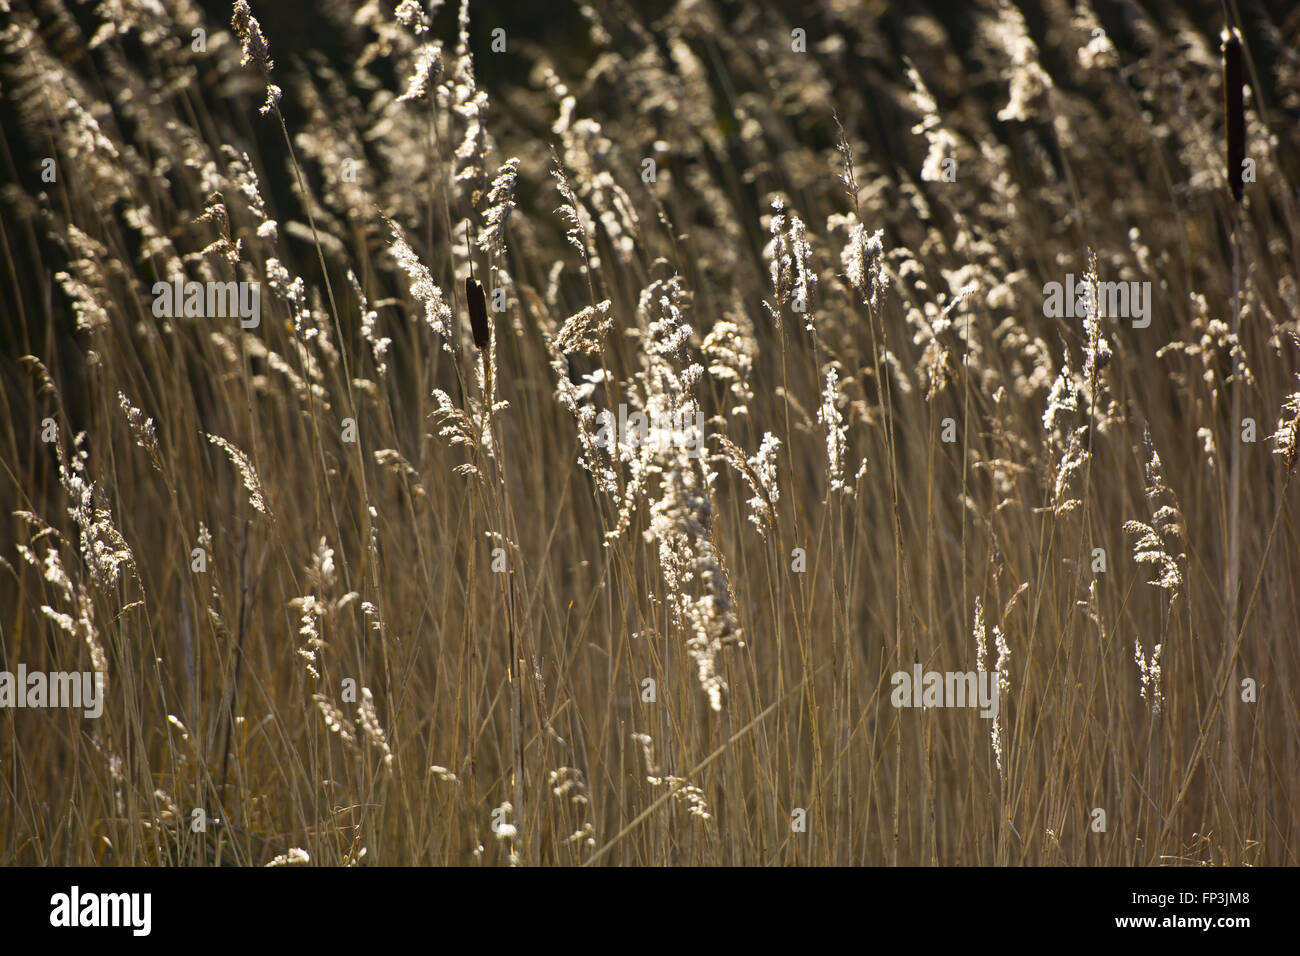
column 375, row 580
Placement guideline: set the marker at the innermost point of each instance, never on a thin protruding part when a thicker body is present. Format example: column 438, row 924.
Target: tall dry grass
column 432, row 593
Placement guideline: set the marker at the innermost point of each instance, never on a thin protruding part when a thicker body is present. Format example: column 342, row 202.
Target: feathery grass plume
column 730, row 351
column 759, row 473
column 1073, row 459
column 1028, row 80
column 90, row 634
column 410, row 15
column 337, row 147
column 373, row 618
column 369, row 720
column 768, row 492
column 848, row 176
column 1004, row 651
column 311, row 611
column 1219, row 339
column 293, row 291
column 80, row 624
column 1091, row 608
column 500, row 200
column 369, row 318
column 51, row 567
column 580, row 225
column 305, row 388
column 596, row 453
column 142, row 429
column 680, row 521
column 862, row 259
column 1071, row 402
column 936, row 330
column 437, row 314
column 321, row 572
column 45, row 386
column 1208, row 447
column 789, row 254
column 443, row 774
column 336, row 721
column 470, row 103
column 239, row 170
column 1212, row 340
column 505, row 831
column 1096, row 350
column 682, row 790
column 391, row 460
column 1062, row 403
column 1099, row 52
column 250, row 36
column 997, row 733
column 1150, row 675
column 86, row 284
column 1000, row 671
column 428, row 68
column 295, row 856
column 214, row 211
column 103, row 549
column 1288, row 430
column 836, row 433
column 570, row 783
column 247, row 473
column 255, row 50
column 586, row 151
column 458, row 428
column 1159, row 542
column 942, row 144
column 1234, row 111
column 582, row 332
column 681, row 514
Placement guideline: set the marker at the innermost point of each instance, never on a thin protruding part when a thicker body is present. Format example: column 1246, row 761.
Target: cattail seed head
column 1234, row 111
column 478, row 315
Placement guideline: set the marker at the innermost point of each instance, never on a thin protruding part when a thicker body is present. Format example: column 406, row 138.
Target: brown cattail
column 1234, row 111
column 478, row 315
